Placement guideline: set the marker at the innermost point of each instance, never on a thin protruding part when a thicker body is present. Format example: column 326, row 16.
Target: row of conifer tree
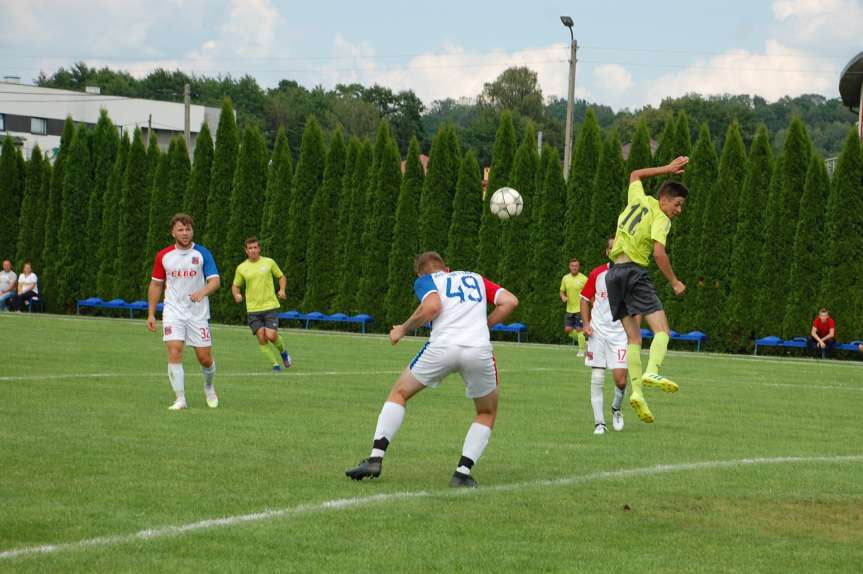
column 765, row 239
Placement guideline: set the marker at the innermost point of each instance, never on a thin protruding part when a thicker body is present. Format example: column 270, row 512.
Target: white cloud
column 613, row 83
column 451, row 73
column 832, row 25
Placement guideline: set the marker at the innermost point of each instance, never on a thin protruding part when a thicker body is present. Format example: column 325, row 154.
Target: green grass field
column 755, row 465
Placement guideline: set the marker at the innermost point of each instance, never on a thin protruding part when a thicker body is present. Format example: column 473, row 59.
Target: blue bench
column 517, row 328
column 97, row 303
column 308, row 318
column 800, row 343
column 696, row 337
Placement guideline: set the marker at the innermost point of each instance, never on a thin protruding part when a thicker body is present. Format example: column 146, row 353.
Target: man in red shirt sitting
column 822, row 338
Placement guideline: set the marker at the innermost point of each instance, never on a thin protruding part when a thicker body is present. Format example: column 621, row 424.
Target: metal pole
column 187, row 100
column 567, row 152
column 860, row 115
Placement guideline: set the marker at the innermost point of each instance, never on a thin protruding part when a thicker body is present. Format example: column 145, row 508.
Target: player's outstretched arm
column 427, row 311
column 154, row 291
column 664, row 264
column 504, row 305
column 676, row 166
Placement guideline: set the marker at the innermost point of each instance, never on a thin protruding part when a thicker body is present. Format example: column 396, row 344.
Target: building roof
column 851, row 80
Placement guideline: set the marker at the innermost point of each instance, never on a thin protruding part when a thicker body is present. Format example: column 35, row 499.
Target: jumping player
column 606, row 347
column 456, row 304
column 642, row 229
column 189, row 275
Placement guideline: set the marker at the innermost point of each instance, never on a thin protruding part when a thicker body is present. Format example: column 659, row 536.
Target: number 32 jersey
column 464, row 298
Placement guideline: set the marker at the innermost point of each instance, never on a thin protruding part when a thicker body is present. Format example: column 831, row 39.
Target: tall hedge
column 108, row 238
column 492, row 240
column 32, row 203
column 609, row 194
column 307, row 181
column 748, row 240
column 322, row 272
column 105, row 142
column 438, row 191
column 11, row 192
column 579, row 198
column 462, row 252
column 810, row 250
column 54, row 217
column 72, row 243
column 162, row 208
column 351, row 264
column 132, row 224
column 275, row 224
column 400, row 300
column 195, row 199
column 221, row 182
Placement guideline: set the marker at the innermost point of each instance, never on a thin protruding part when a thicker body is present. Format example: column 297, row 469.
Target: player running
column 456, row 304
column 606, row 347
column 256, row 273
column 570, row 286
column 189, row 275
column 642, row 229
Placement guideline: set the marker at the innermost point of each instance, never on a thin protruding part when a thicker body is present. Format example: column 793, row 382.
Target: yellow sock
column 268, row 352
column 581, row 342
column 279, row 344
column 657, row 352
column 633, row 363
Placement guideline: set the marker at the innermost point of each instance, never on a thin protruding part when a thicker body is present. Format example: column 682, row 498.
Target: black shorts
column 268, row 319
column 573, row 320
column 630, row 291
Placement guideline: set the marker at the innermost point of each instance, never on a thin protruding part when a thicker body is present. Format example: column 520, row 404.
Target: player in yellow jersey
column 570, row 290
column 642, row 229
column 256, row 273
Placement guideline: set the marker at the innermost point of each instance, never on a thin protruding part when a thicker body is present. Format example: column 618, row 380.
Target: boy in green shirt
column 570, row 291
column 262, row 306
column 642, row 229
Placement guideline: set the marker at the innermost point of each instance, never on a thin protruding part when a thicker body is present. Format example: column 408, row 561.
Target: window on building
column 2, row 123
column 38, row 126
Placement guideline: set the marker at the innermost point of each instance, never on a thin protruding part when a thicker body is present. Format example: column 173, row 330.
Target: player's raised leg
column 632, row 326
column 658, row 323
column 389, row 422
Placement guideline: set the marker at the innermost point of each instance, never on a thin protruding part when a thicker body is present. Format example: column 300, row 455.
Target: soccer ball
column 506, row 203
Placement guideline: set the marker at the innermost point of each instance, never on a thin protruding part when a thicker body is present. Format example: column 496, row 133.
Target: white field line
column 354, row 502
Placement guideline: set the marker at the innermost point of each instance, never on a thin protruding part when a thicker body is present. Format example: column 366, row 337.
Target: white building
column 34, row 115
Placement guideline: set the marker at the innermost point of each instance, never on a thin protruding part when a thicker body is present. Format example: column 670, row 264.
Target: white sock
column 389, row 423
column 178, row 379
column 474, row 443
column 618, row 398
column 209, row 374
column 597, row 379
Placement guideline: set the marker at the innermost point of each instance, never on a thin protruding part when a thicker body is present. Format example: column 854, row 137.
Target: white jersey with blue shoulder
column 184, row 271
column 464, row 297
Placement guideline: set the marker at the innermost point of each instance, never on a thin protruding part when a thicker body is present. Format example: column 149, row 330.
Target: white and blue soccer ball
column 506, row 203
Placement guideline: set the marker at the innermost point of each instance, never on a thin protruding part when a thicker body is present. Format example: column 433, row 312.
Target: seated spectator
column 822, row 338
column 8, row 283
column 27, row 288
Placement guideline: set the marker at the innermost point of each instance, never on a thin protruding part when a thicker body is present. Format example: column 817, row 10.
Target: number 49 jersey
column 464, row 298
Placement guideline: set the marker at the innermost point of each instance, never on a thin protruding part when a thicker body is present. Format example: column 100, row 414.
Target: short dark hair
column 183, row 218
column 822, row 310
column 574, row 259
column 251, row 240
column 427, row 258
column 673, row 189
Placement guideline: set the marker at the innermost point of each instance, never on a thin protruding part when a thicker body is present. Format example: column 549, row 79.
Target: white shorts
column 193, row 333
column 606, row 352
column 476, row 366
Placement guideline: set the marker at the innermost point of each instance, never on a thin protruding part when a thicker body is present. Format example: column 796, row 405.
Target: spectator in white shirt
column 27, row 287
column 8, row 283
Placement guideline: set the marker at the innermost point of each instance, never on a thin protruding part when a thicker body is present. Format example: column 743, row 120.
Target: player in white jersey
column 606, row 347
column 455, row 302
column 189, row 275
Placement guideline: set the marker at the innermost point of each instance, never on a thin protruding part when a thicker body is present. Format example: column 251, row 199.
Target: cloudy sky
column 631, row 53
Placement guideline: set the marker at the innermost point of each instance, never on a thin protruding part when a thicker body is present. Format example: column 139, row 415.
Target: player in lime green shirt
column 642, row 229
column 570, row 293
column 256, row 273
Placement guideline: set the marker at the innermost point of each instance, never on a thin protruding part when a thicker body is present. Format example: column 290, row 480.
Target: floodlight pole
column 573, row 49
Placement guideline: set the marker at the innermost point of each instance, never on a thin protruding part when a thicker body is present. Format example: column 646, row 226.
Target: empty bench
column 316, row 316
column 696, row 337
